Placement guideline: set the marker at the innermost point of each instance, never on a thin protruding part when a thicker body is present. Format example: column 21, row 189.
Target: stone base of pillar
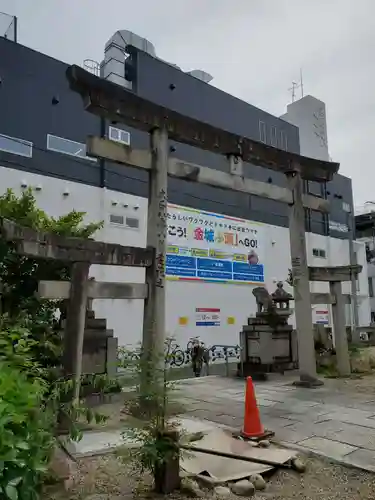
column 308, row 382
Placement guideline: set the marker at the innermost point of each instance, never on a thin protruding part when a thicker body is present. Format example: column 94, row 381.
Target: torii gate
column 113, row 102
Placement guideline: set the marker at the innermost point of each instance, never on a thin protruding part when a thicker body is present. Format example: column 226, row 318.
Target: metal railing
column 179, row 356
column 8, row 26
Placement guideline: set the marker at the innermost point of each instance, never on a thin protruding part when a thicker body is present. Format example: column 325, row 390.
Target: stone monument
column 268, row 342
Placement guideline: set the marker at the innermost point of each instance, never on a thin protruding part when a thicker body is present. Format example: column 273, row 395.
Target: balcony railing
column 8, row 26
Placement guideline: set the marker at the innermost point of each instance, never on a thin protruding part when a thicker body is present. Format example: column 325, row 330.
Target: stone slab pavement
column 323, row 421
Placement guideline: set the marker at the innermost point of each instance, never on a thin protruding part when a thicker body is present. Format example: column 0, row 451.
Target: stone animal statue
column 263, row 299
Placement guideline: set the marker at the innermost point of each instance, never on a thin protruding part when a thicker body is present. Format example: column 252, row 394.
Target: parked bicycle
column 176, row 356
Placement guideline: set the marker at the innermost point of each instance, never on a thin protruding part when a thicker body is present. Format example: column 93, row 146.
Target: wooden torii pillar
column 115, row 103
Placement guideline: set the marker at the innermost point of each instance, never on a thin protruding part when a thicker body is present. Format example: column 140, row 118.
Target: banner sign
column 207, row 316
column 210, row 247
column 321, row 316
column 338, row 226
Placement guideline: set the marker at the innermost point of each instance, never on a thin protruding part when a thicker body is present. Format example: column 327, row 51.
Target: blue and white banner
column 210, row 247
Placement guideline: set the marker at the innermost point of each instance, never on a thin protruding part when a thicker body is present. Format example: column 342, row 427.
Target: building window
column 315, row 188
column 119, row 135
column 67, row 147
column 132, row 222
column 262, row 132
column 16, row 146
column 319, row 252
column 283, row 140
column 127, row 222
column 346, row 207
column 370, row 287
column 274, row 137
column 307, row 220
column 116, row 219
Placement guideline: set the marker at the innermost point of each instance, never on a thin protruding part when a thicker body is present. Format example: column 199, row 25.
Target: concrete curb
column 295, row 447
column 316, row 454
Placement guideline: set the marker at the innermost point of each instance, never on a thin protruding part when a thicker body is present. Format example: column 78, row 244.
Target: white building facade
column 210, row 301
column 309, row 115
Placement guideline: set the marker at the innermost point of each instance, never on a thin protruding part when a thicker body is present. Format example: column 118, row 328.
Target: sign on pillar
column 154, row 311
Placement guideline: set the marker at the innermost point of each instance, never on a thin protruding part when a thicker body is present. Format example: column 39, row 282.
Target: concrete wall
column 309, row 115
column 125, row 316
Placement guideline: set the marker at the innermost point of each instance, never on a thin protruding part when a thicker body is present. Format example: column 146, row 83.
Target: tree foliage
column 19, row 275
column 32, row 394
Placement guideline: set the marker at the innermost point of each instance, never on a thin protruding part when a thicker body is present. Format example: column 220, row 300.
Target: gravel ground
column 357, row 384
column 106, row 475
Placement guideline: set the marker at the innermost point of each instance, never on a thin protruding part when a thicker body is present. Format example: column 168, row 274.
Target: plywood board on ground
column 221, row 469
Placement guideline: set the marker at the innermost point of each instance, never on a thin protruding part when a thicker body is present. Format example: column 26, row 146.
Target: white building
column 221, row 307
column 309, row 115
column 365, row 233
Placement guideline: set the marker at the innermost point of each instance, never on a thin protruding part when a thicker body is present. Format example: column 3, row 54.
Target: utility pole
column 301, row 284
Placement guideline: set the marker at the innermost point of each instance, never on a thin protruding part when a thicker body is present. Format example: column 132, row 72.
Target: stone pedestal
column 267, row 341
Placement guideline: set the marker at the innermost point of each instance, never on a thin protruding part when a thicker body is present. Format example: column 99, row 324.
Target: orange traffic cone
column 252, row 427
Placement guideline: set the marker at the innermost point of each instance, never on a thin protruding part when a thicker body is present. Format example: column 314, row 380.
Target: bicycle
column 176, row 356
column 191, row 343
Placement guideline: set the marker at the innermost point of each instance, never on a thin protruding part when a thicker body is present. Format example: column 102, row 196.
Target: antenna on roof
column 301, row 81
column 293, row 90
column 296, row 85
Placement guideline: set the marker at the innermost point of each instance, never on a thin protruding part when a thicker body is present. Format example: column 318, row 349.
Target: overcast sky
column 254, row 50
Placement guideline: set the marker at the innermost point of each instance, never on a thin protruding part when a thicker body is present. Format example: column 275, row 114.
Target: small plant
column 156, row 437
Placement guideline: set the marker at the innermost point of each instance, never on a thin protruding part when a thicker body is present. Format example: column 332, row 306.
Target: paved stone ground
column 326, row 421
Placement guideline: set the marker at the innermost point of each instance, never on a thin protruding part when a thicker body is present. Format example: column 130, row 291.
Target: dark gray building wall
column 31, row 82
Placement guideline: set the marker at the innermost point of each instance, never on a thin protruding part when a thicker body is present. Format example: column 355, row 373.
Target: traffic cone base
column 252, row 428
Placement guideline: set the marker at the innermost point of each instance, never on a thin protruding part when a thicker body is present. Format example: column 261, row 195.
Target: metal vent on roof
column 115, row 53
column 201, row 75
column 92, row 66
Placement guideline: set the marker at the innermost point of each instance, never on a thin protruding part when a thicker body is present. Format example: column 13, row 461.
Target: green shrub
column 34, row 396
column 26, row 434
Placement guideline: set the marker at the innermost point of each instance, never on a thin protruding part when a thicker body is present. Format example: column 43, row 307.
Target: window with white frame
column 262, row 132
column 67, row 147
column 132, row 222
column 116, row 219
column 274, row 137
column 119, row 135
column 283, row 140
column 16, row 146
column 126, row 222
column 319, row 252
